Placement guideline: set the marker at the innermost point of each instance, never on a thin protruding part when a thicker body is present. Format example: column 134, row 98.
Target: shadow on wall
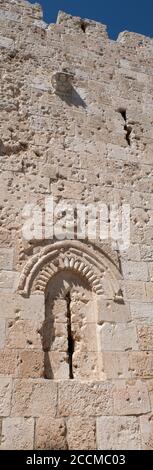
column 73, row 98
column 62, row 82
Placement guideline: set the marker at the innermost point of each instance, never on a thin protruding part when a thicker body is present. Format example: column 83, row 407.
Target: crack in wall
column 127, row 128
column 70, row 336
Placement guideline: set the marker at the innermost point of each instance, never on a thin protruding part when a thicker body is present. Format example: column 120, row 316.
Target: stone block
column 32, row 308
column 149, row 291
column 59, row 309
column 118, row 433
column 56, row 365
column 142, row 313
column 146, row 424
column 81, row 433
column 131, row 398
column 116, row 365
column 85, row 337
column 5, row 395
column 8, row 362
column 150, row 388
column 50, row 434
column 141, row 364
column 110, row 311
column 54, row 336
column 17, row 434
column 83, row 311
column 117, row 337
column 84, row 398
column 134, row 291
column 34, row 397
column 88, row 366
column 135, row 271
column 6, row 43
column 23, row 334
column 7, row 305
column 8, row 281
column 30, row 364
column 145, row 337
column 132, row 253
column 2, row 333
column 6, row 259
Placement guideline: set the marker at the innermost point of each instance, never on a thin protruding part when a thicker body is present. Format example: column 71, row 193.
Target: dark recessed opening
column 127, row 128
column 83, row 26
column 122, row 111
column 70, row 335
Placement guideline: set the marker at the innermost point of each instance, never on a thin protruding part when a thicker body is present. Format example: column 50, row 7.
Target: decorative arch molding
column 87, row 261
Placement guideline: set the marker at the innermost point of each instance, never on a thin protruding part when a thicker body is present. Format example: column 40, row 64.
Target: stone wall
column 76, row 317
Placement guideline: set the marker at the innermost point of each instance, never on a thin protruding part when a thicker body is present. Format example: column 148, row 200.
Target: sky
column 118, row 15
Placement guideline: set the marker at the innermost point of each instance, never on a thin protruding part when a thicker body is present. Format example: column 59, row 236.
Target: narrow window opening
column 83, row 26
column 70, row 335
column 127, row 128
column 123, row 114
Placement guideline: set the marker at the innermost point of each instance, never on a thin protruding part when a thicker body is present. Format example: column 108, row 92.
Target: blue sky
column 119, row 15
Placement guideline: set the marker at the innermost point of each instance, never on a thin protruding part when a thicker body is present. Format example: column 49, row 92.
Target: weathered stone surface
column 6, row 259
column 145, row 338
column 88, row 366
column 50, row 434
column 5, row 396
column 17, row 434
column 141, row 364
column 86, row 398
column 12, row 306
column 81, row 433
column 149, row 291
column 76, row 308
column 142, row 313
column 82, row 310
column 30, row 364
column 85, row 337
column 117, row 337
column 146, row 423
column 60, row 311
column 134, row 291
column 22, row 334
column 2, row 333
column 118, row 432
column 28, row 396
column 9, row 280
column 6, row 43
column 131, row 398
column 116, row 365
column 8, row 362
column 109, row 311
column 56, row 365
column 54, row 336
column 150, row 388
column 135, row 271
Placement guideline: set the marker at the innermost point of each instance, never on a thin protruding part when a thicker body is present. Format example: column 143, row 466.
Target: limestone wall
column 76, row 317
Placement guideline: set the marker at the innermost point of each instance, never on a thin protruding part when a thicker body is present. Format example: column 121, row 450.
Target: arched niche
column 90, row 262
column 71, row 275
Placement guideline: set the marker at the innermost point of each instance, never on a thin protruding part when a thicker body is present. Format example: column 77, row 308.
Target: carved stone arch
column 87, row 261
